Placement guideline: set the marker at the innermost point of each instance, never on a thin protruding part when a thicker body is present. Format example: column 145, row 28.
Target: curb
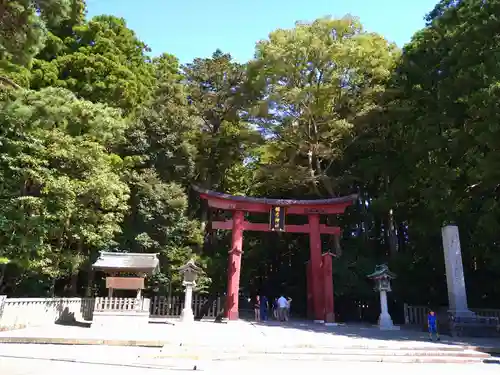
column 157, row 363
column 284, row 349
column 367, row 358
column 61, row 341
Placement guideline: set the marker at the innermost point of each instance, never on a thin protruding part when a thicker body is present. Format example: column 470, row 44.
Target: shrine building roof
column 205, row 193
column 127, row 262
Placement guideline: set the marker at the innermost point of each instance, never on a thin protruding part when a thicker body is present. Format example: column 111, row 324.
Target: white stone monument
column 455, row 280
column 2, row 303
column 190, row 272
column 382, row 277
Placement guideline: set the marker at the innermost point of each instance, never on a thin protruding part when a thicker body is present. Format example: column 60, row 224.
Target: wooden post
column 234, row 266
column 316, row 279
column 310, row 303
column 328, row 288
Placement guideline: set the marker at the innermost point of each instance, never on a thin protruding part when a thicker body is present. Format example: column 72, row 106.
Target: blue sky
column 196, row 28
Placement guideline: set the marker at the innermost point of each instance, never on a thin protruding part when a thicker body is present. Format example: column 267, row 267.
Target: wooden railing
column 417, row 315
column 118, row 304
column 169, row 307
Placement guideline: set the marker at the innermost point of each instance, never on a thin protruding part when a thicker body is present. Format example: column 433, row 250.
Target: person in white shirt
column 282, row 306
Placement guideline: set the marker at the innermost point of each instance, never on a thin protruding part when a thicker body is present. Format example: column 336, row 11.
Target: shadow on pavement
column 368, row 331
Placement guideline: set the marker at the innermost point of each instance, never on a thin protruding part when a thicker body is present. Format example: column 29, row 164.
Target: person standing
column 288, row 305
column 264, row 306
column 256, row 308
column 432, row 325
column 275, row 308
column 282, row 306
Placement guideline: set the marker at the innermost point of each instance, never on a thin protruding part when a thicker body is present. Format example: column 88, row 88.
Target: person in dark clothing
column 264, row 306
column 256, row 308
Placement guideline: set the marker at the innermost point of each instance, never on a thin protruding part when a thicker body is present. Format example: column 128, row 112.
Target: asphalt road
column 9, row 366
column 65, row 360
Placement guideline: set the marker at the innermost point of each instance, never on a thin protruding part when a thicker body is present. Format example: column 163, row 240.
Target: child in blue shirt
column 432, row 325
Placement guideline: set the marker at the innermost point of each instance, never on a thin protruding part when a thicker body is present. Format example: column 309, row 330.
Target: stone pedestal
column 121, row 315
column 187, row 315
column 385, row 321
column 455, row 280
column 120, row 320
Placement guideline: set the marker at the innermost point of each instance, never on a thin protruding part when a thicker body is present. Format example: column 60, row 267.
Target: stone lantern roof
column 190, row 266
column 381, row 271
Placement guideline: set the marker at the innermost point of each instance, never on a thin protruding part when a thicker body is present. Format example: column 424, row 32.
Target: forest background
column 100, row 144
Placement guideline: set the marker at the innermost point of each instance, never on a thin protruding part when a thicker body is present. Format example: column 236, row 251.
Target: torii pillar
column 234, row 266
column 316, row 274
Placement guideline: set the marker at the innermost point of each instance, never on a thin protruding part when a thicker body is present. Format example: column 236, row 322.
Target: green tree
column 24, row 31
column 61, row 189
column 319, row 77
column 160, row 149
column 447, row 107
column 101, row 61
column 23, row 26
column 216, row 96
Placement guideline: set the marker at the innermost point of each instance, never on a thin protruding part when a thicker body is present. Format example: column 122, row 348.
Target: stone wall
column 21, row 312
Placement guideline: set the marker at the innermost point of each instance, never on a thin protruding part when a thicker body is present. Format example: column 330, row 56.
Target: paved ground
column 206, row 337
column 248, row 335
column 125, row 361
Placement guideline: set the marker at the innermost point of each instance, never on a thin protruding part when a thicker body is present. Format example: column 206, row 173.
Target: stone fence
column 22, row 312
column 417, row 315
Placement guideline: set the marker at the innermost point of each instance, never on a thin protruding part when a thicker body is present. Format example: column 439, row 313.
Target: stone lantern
column 190, row 272
column 382, row 277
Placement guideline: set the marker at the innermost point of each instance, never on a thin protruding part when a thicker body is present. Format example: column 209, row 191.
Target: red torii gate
column 319, row 272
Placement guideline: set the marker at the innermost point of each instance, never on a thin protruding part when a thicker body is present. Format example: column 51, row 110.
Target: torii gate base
column 319, row 279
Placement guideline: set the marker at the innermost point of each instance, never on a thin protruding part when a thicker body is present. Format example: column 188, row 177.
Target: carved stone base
column 385, row 323
column 187, row 315
column 462, row 313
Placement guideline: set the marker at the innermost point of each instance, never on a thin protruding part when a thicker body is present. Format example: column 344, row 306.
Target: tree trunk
column 52, row 289
column 90, row 279
column 3, row 267
column 74, row 284
column 8, row 82
column 391, row 234
column 338, row 248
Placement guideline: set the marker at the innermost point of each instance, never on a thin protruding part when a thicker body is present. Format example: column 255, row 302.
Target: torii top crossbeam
column 293, row 206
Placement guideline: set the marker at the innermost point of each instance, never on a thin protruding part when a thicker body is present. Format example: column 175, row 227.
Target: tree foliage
column 100, row 143
column 62, row 192
column 320, row 78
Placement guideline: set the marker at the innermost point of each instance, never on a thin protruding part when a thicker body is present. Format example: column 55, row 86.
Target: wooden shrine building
column 124, row 271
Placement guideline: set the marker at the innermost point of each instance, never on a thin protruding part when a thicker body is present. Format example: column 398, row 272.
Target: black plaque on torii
column 277, row 218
